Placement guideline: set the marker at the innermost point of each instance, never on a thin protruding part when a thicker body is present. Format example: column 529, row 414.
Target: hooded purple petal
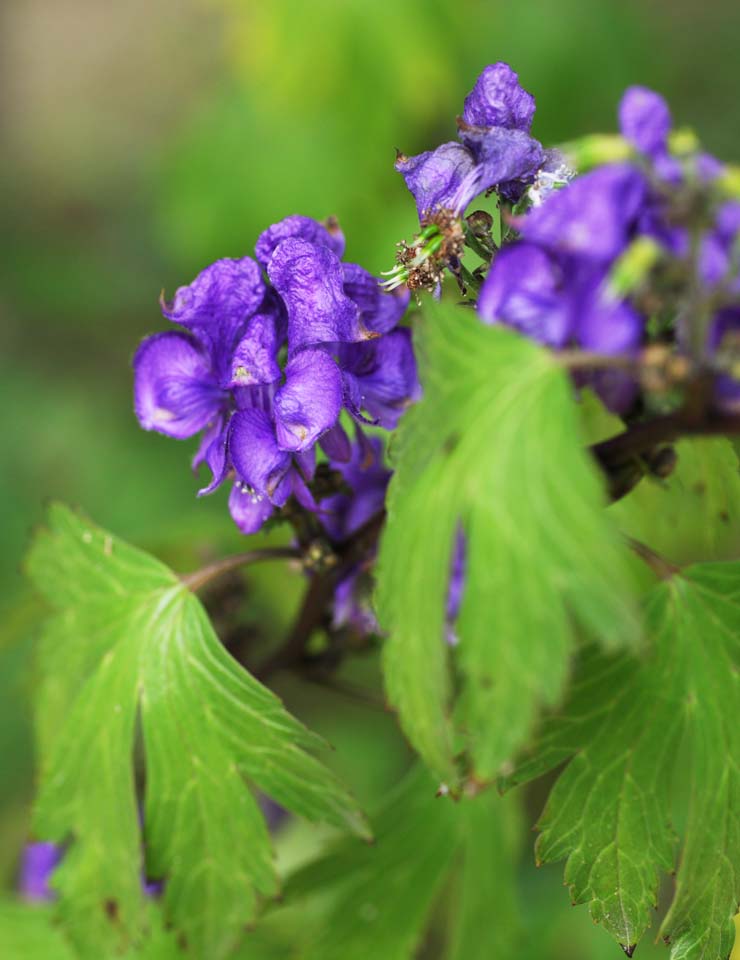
column 645, row 120
column 311, row 283
column 220, row 299
column 379, row 311
column 175, row 391
column 435, row 177
column 255, row 357
column 37, row 865
column 310, row 401
column 523, row 290
column 593, row 217
column 497, row 100
column 249, row 509
column 302, row 228
column 254, row 451
column 506, row 159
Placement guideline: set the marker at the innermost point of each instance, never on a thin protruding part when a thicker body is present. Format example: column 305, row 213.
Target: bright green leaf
column 494, row 447
column 609, row 811
column 128, row 641
column 27, row 932
column 485, row 909
column 383, row 893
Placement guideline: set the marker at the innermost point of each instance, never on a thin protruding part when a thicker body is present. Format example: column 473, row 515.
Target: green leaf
column 28, row 932
column 495, row 448
column 485, row 909
column 129, row 643
column 427, row 850
column 695, row 513
column 383, row 893
column 608, row 813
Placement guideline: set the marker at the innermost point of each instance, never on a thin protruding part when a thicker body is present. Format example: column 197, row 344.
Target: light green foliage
column 129, row 643
column 609, row 812
column 382, row 895
column 494, row 447
column 695, row 513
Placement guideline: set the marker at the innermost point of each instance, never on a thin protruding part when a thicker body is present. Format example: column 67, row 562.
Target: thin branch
column 199, row 578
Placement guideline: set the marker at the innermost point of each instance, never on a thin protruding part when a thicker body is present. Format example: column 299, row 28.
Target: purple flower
column 344, row 514
column 455, row 589
column 593, row 217
column 523, row 289
column 496, row 149
column 310, row 280
column 301, row 228
column 38, row 862
column 380, row 377
column 497, row 100
column 176, row 389
column 645, row 120
column 435, row 177
column 260, row 408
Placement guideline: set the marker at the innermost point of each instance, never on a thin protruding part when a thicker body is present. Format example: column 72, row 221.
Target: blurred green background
column 141, row 140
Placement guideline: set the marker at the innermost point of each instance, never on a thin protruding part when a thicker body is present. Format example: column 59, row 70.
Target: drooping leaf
column 494, row 447
column 485, row 908
column 379, row 900
column 383, row 892
column 128, row 639
column 609, row 812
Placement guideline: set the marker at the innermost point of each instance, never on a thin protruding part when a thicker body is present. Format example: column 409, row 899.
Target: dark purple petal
column 301, row 492
column 213, row 452
column 391, row 383
column 352, row 606
column 365, row 473
column 37, row 865
column 523, row 290
column 249, row 509
column 336, row 444
column 379, row 311
column 311, row 283
column 174, row 388
column 254, row 451
column 302, row 228
column 645, row 120
column 503, row 157
column 310, row 401
column 255, row 358
column 609, row 327
column 435, row 177
column 219, row 300
column 592, row 217
column 497, row 100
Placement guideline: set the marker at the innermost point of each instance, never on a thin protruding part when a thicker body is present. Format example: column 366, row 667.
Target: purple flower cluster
column 556, row 283
column 268, row 354
column 495, row 149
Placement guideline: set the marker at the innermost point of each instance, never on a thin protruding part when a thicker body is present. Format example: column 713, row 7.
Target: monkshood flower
column 494, row 151
column 269, row 353
column 562, row 282
column 495, row 148
column 343, row 514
